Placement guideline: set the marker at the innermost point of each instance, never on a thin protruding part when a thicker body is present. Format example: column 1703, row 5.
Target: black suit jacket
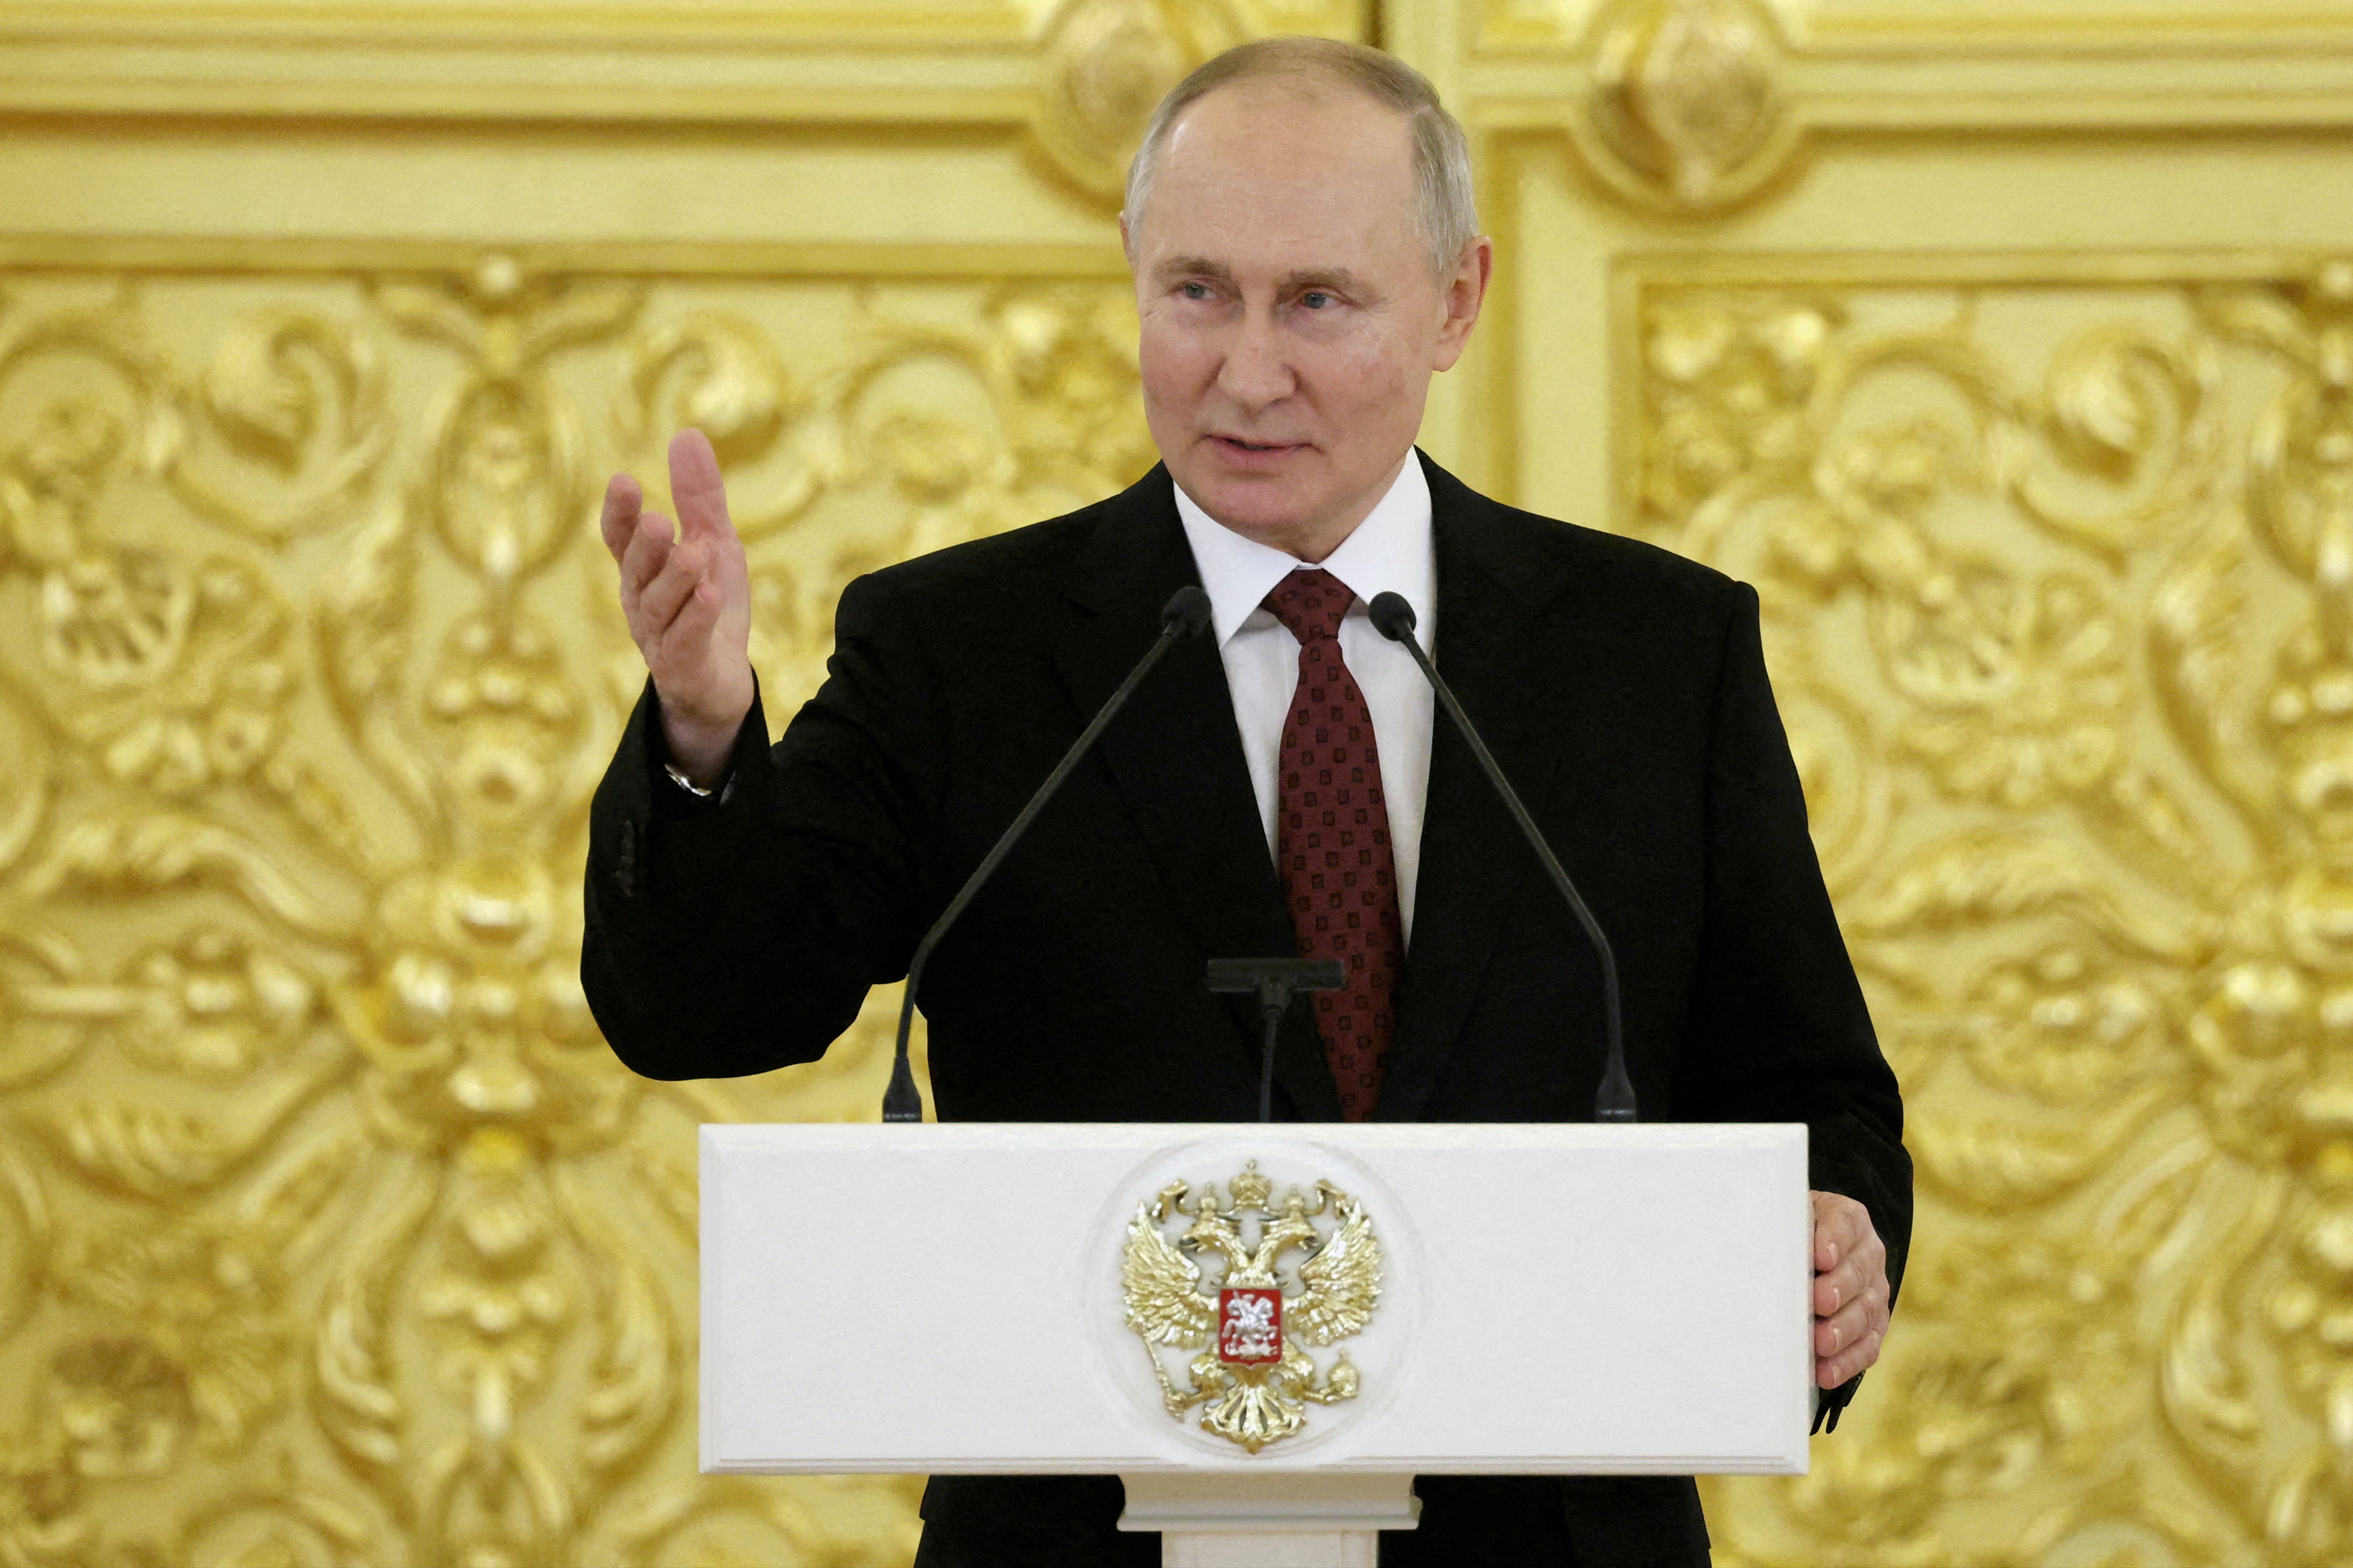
column 1622, row 688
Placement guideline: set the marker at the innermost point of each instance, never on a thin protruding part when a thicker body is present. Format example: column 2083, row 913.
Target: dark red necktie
column 1331, row 841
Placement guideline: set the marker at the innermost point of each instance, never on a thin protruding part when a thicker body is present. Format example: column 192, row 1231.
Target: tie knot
column 1311, row 603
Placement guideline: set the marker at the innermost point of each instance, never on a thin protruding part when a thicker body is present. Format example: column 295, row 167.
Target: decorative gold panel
column 330, row 1231
column 2055, row 556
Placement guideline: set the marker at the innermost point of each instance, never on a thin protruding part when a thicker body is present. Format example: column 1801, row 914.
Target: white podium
column 956, row 1299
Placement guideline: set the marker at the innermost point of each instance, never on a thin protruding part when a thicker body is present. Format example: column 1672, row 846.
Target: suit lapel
column 1176, row 760
column 1475, row 863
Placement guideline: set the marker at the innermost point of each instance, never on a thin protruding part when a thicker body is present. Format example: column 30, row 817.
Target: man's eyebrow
column 1194, row 267
column 1338, row 278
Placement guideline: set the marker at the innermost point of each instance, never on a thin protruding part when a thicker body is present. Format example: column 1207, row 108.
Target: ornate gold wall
column 2006, row 345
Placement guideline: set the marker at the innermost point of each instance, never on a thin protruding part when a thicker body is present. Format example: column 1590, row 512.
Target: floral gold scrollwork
column 24, row 1240
column 509, row 472
column 274, row 1524
column 719, row 373
column 330, row 1231
column 301, row 398
column 1684, row 110
column 111, row 625
column 24, row 789
column 2065, row 576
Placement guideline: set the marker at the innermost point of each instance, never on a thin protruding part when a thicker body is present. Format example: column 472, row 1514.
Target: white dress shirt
column 1390, row 552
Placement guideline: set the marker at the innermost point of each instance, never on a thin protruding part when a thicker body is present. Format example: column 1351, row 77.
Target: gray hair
column 1444, row 208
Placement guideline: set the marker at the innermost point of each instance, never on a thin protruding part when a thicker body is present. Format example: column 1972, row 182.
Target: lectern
column 1265, row 1331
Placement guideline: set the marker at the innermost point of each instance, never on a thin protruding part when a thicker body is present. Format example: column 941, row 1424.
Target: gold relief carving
column 1108, row 63
column 2056, row 578
column 1683, row 110
column 329, row 1229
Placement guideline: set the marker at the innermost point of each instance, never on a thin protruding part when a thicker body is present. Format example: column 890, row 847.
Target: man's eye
column 1316, row 299
column 1195, row 291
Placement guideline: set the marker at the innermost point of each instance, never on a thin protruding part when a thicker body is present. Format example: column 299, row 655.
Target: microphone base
column 902, row 1101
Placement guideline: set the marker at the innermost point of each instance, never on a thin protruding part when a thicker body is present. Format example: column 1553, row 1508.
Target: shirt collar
column 1389, row 552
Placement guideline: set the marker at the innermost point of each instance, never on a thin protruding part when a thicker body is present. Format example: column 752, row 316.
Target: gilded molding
column 1697, row 108
column 2145, row 27
column 1070, row 70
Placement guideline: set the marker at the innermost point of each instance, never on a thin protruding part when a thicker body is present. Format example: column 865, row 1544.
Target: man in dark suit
column 1305, row 260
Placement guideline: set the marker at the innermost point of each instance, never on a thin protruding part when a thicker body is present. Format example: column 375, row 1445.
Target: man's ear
column 1465, row 293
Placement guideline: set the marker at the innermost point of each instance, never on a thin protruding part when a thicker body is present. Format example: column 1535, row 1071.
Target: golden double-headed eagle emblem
column 1253, row 1376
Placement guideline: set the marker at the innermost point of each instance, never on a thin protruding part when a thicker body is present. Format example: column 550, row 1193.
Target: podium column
column 1300, row 1519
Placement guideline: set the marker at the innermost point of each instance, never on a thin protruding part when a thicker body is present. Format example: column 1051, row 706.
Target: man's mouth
column 1235, row 443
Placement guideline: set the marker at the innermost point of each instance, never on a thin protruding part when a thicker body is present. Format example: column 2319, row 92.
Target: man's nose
column 1257, row 371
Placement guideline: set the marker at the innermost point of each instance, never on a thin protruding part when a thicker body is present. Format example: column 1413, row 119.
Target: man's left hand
column 1850, row 1288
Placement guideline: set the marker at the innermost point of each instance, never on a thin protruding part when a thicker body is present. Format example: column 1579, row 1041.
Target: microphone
column 1185, row 614
column 1614, row 1101
column 1275, row 980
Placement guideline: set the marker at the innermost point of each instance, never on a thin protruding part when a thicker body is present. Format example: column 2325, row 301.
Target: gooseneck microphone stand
column 1393, row 618
column 1185, row 613
column 1276, row 981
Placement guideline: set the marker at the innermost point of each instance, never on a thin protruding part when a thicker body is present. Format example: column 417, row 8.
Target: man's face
column 1291, row 322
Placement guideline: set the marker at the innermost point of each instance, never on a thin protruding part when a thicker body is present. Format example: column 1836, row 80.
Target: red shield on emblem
column 1250, row 1325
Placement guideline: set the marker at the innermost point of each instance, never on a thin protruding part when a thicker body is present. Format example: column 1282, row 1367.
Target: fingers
column 697, row 614
column 657, row 577
column 1833, row 1290
column 660, row 600
column 1833, row 1369
column 695, row 487
column 1861, row 1280
column 647, row 552
column 1858, row 1320
column 1849, row 1341
column 1841, row 1224
column 1851, row 1293
column 1861, row 1317
column 686, row 590
column 623, row 498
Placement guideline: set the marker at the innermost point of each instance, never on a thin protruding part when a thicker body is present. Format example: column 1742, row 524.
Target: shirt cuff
column 673, row 795
column 718, row 794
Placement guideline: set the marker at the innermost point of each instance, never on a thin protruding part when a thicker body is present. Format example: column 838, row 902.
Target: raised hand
column 688, row 599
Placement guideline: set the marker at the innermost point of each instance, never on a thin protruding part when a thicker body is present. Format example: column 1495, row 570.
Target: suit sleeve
column 741, row 934
column 1781, row 1032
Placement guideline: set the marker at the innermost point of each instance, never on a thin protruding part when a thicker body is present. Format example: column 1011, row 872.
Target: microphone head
column 1392, row 616
column 1187, row 611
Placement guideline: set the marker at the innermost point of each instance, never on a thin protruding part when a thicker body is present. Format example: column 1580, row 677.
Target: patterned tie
column 1331, row 841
